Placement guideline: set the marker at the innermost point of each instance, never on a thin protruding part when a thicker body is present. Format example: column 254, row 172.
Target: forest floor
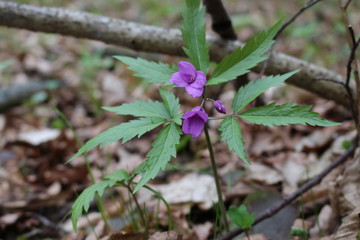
column 38, row 133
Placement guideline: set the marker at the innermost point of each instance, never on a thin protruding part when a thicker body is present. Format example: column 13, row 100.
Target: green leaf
column 241, row 217
column 163, row 148
column 118, row 175
column 243, row 59
column 299, row 232
column 141, row 109
column 193, row 33
column 286, row 114
column 172, row 105
column 124, row 131
column 153, row 72
column 231, row 134
column 253, row 89
column 82, row 203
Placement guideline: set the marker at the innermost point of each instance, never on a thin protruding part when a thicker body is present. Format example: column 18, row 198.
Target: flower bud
column 219, row 106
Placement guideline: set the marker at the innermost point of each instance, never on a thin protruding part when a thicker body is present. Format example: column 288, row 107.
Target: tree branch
column 304, row 188
column 146, row 38
column 221, row 22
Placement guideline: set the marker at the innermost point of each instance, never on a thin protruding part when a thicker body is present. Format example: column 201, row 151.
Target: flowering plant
column 192, row 76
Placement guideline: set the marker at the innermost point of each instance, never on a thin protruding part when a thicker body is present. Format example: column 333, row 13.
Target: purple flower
column 194, row 121
column 188, row 77
column 219, row 106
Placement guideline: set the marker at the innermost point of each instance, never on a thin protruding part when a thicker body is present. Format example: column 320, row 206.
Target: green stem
column 87, row 164
column 216, row 178
column 223, row 117
column 141, row 213
column 158, row 195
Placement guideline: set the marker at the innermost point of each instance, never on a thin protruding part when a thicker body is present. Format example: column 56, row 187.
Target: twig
column 344, row 6
column 15, row 95
column 221, row 22
column 307, row 5
column 304, row 188
column 352, row 63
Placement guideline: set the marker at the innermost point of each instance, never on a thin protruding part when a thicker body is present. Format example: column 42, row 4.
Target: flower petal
column 186, row 70
column 194, row 92
column 200, row 80
column 203, row 115
column 193, row 126
column 178, row 80
column 188, row 114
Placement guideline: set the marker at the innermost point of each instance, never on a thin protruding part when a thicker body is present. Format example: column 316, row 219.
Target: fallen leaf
column 202, row 231
column 349, row 229
column 314, row 141
column 165, row 236
column 38, row 137
column 114, row 90
column 192, row 188
column 325, row 223
column 347, row 191
column 262, row 173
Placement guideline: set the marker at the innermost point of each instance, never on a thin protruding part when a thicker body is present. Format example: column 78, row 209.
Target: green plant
column 192, row 76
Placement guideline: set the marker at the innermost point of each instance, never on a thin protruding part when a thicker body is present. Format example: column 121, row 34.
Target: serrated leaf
column 163, row 148
column 124, row 131
column 241, row 217
column 280, row 115
column 171, row 104
column 253, row 89
column 153, row 72
column 243, row 59
column 231, row 134
column 149, row 108
column 193, row 33
column 82, row 203
column 118, row 175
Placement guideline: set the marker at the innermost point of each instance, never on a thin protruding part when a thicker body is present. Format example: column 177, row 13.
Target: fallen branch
column 304, row 188
column 15, row 95
column 156, row 39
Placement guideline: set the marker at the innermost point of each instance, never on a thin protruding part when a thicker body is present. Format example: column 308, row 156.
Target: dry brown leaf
column 114, row 91
column 127, row 236
column 8, row 219
column 301, row 223
column 262, row 173
column 292, row 172
column 202, row 231
column 38, row 137
column 165, row 236
column 326, row 222
column 350, row 227
column 193, row 188
column 314, row 141
column 346, row 197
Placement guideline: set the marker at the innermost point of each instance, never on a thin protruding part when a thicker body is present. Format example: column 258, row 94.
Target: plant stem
column 247, row 234
column 141, row 213
column 216, row 178
column 158, row 195
column 99, row 202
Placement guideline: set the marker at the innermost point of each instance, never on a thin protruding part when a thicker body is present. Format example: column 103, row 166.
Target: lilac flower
column 219, row 106
column 188, row 77
column 194, row 121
